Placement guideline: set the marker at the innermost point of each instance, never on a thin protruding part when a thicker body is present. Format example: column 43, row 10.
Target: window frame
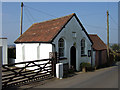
column 61, row 48
column 83, row 47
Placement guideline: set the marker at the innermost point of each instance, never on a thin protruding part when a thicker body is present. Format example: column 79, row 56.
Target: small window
column 82, row 47
column 61, row 46
column 74, row 34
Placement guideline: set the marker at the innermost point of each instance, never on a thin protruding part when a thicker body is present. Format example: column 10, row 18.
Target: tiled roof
column 98, row 44
column 44, row 31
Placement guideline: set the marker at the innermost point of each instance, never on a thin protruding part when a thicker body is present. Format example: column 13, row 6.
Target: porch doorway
column 73, row 57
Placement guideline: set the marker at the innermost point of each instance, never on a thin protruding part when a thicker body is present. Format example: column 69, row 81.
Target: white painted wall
column 32, row 51
column 3, row 43
column 44, row 50
column 66, row 34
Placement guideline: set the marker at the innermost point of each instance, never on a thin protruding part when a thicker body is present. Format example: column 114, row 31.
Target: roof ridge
column 53, row 19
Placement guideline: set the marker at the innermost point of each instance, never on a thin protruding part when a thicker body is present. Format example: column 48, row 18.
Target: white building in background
column 0, row 67
column 3, row 45
column 65, row 35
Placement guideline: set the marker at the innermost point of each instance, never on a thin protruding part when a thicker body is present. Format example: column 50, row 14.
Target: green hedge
column 84, row 64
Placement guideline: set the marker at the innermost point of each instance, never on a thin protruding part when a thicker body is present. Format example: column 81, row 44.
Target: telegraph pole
column 108, row 34
column 21, row 18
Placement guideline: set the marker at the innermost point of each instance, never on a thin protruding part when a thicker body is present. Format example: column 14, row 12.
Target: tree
column 115, row 47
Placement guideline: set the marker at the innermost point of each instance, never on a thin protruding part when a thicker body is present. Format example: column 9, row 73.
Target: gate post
column 54, row 61
column 0, row 68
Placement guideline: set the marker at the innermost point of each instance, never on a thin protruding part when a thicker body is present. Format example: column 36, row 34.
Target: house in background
column 11, row 54
column 65, row 35
column 99, row 50
column 3, row 50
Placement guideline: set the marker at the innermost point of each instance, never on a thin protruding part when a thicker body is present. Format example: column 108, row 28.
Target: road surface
column 102, row 78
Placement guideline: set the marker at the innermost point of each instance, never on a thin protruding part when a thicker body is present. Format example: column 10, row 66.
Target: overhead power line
column 40, row 11
column 27, row 10
column 102, row 28
column 28, row 18
column 113, row 20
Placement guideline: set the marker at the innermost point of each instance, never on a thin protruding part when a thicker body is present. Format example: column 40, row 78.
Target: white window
column 61, row 46
column 82, row 47
column 74, row 34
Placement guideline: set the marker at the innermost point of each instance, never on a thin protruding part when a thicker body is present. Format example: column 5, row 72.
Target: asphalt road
column 102, row 78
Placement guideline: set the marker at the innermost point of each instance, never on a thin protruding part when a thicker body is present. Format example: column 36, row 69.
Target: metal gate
column 24, row 72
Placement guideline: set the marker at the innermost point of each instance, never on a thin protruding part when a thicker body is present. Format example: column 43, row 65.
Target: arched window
column 61, row 46
column 82, row 47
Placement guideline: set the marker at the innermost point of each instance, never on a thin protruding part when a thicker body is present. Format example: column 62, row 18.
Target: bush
column 86, row 67
column 71, row 70
column 84, row 64
column 117, row 57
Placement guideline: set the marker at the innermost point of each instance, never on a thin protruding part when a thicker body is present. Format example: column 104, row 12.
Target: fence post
column 54, row 61
column 0, row 68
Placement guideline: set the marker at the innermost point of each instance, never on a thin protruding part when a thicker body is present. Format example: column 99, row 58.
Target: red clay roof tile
column 44, row 31
column 98, row 44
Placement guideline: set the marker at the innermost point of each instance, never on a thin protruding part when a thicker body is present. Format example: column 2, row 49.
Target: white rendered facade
column 3, row 45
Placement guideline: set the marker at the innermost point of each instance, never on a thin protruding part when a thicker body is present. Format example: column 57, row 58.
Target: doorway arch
column 73, row 57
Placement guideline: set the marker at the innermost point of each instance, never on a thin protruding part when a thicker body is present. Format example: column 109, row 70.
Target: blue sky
column 91, row 14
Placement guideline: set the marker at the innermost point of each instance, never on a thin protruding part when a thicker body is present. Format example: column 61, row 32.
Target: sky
column 93, row 16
